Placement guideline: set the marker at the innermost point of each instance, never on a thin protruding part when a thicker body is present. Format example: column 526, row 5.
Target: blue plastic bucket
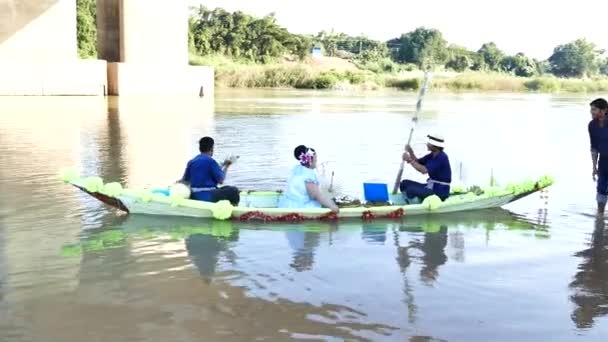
column 375, row 192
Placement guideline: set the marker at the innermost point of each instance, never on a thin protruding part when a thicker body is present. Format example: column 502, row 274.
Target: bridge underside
column 142, row 44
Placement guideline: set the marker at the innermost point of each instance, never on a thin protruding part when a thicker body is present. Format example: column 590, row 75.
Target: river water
column 533, row 271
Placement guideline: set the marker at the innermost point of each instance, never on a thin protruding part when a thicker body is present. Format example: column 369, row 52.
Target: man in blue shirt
column 598, row 136
column 203, row 174
column 435, row 164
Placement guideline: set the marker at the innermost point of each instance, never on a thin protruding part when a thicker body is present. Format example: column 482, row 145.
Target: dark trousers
column 413, row 189
column 229, row 193
column 602, row 186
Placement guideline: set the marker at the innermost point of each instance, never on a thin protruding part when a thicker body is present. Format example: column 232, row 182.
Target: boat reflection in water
column 331, row 279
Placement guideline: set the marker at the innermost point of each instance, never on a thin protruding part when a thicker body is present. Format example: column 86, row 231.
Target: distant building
column 317, row 52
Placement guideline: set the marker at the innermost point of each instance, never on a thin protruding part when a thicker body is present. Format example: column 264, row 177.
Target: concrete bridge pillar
column 146, row 45
column 38, row 51
column 142, row 47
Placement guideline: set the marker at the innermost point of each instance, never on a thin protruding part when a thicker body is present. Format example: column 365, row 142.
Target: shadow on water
column 590, row 285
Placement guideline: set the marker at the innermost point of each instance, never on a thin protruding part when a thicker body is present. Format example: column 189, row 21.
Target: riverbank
column 337, row 73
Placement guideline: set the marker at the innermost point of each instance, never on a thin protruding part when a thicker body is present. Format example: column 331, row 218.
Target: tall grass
column 237, row 73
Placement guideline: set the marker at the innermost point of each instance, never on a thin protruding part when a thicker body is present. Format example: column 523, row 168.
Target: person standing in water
column 598, row 136
column 435, row 164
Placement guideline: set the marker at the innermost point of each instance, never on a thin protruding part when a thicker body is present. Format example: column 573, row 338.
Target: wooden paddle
column 423, row 90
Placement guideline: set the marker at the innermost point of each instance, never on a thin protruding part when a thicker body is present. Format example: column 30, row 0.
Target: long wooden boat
column 262, row 205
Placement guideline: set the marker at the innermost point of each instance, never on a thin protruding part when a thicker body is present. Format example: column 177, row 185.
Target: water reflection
column 590, row 284
column 113, row 160
column 303, row 245
column 204, row 251
column 237, row 259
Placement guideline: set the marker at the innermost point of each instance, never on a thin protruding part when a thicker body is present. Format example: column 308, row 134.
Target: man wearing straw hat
column 436, row 165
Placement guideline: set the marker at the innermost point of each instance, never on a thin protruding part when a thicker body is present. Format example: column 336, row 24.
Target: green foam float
column 432, row 202
column 93, row 184
column 69, row 174
column 112, row 189
column 546, row 181
column 457, row 190
column 221, row 210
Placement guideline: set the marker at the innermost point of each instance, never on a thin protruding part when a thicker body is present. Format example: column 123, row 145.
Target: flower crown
column 306, row 157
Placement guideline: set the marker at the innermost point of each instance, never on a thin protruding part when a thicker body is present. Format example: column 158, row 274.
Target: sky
column 533, row 27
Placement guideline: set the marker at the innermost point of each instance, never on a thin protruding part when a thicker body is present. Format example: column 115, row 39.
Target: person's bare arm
column 594, row 158
column 415, row 164
column 315, row 193
column 410, row 151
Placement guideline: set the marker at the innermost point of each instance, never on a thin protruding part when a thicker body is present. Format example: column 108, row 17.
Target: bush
column 405, row 84
column 324, row 81
column 355, row 77
column 542, row 84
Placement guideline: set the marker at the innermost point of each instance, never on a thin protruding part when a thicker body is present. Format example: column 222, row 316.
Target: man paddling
column 203, row 174
column 436, row 165
column 598, row 136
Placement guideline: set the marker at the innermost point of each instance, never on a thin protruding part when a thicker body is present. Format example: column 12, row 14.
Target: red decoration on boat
column 254, row 215
column 396, row 214
column 368, row 215
column 293, row 217
column 331, row 216
column 257, row 215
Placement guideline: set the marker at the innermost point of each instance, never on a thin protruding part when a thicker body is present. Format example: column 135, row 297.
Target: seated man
column 436, row 164
column 203, row 174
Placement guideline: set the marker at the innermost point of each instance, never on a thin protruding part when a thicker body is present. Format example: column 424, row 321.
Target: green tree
column 542, row 67
column 519, row 65
column 86, row 30
column 604, row 67
column 460, row 59
column 575, row 59
column 423, row 47
column 243, row 36
column 491, row 56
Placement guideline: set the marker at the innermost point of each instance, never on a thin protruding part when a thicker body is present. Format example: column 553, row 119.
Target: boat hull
column 137, row 205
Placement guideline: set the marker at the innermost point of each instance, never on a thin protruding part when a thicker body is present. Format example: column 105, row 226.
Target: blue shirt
column 598, row 137
column 203, row 172
column 439, row 169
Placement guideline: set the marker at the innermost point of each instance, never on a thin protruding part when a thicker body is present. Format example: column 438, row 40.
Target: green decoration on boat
column 432, row 202
column 494, row 191
column 457, row 190
column 146, row 196
column 69, row 174
column 112, row 189
column 546, row 181
column 176, row 201
column 93, row 184
column 222, row 210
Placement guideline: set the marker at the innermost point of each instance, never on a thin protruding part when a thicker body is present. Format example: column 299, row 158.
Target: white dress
column 295, row 195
